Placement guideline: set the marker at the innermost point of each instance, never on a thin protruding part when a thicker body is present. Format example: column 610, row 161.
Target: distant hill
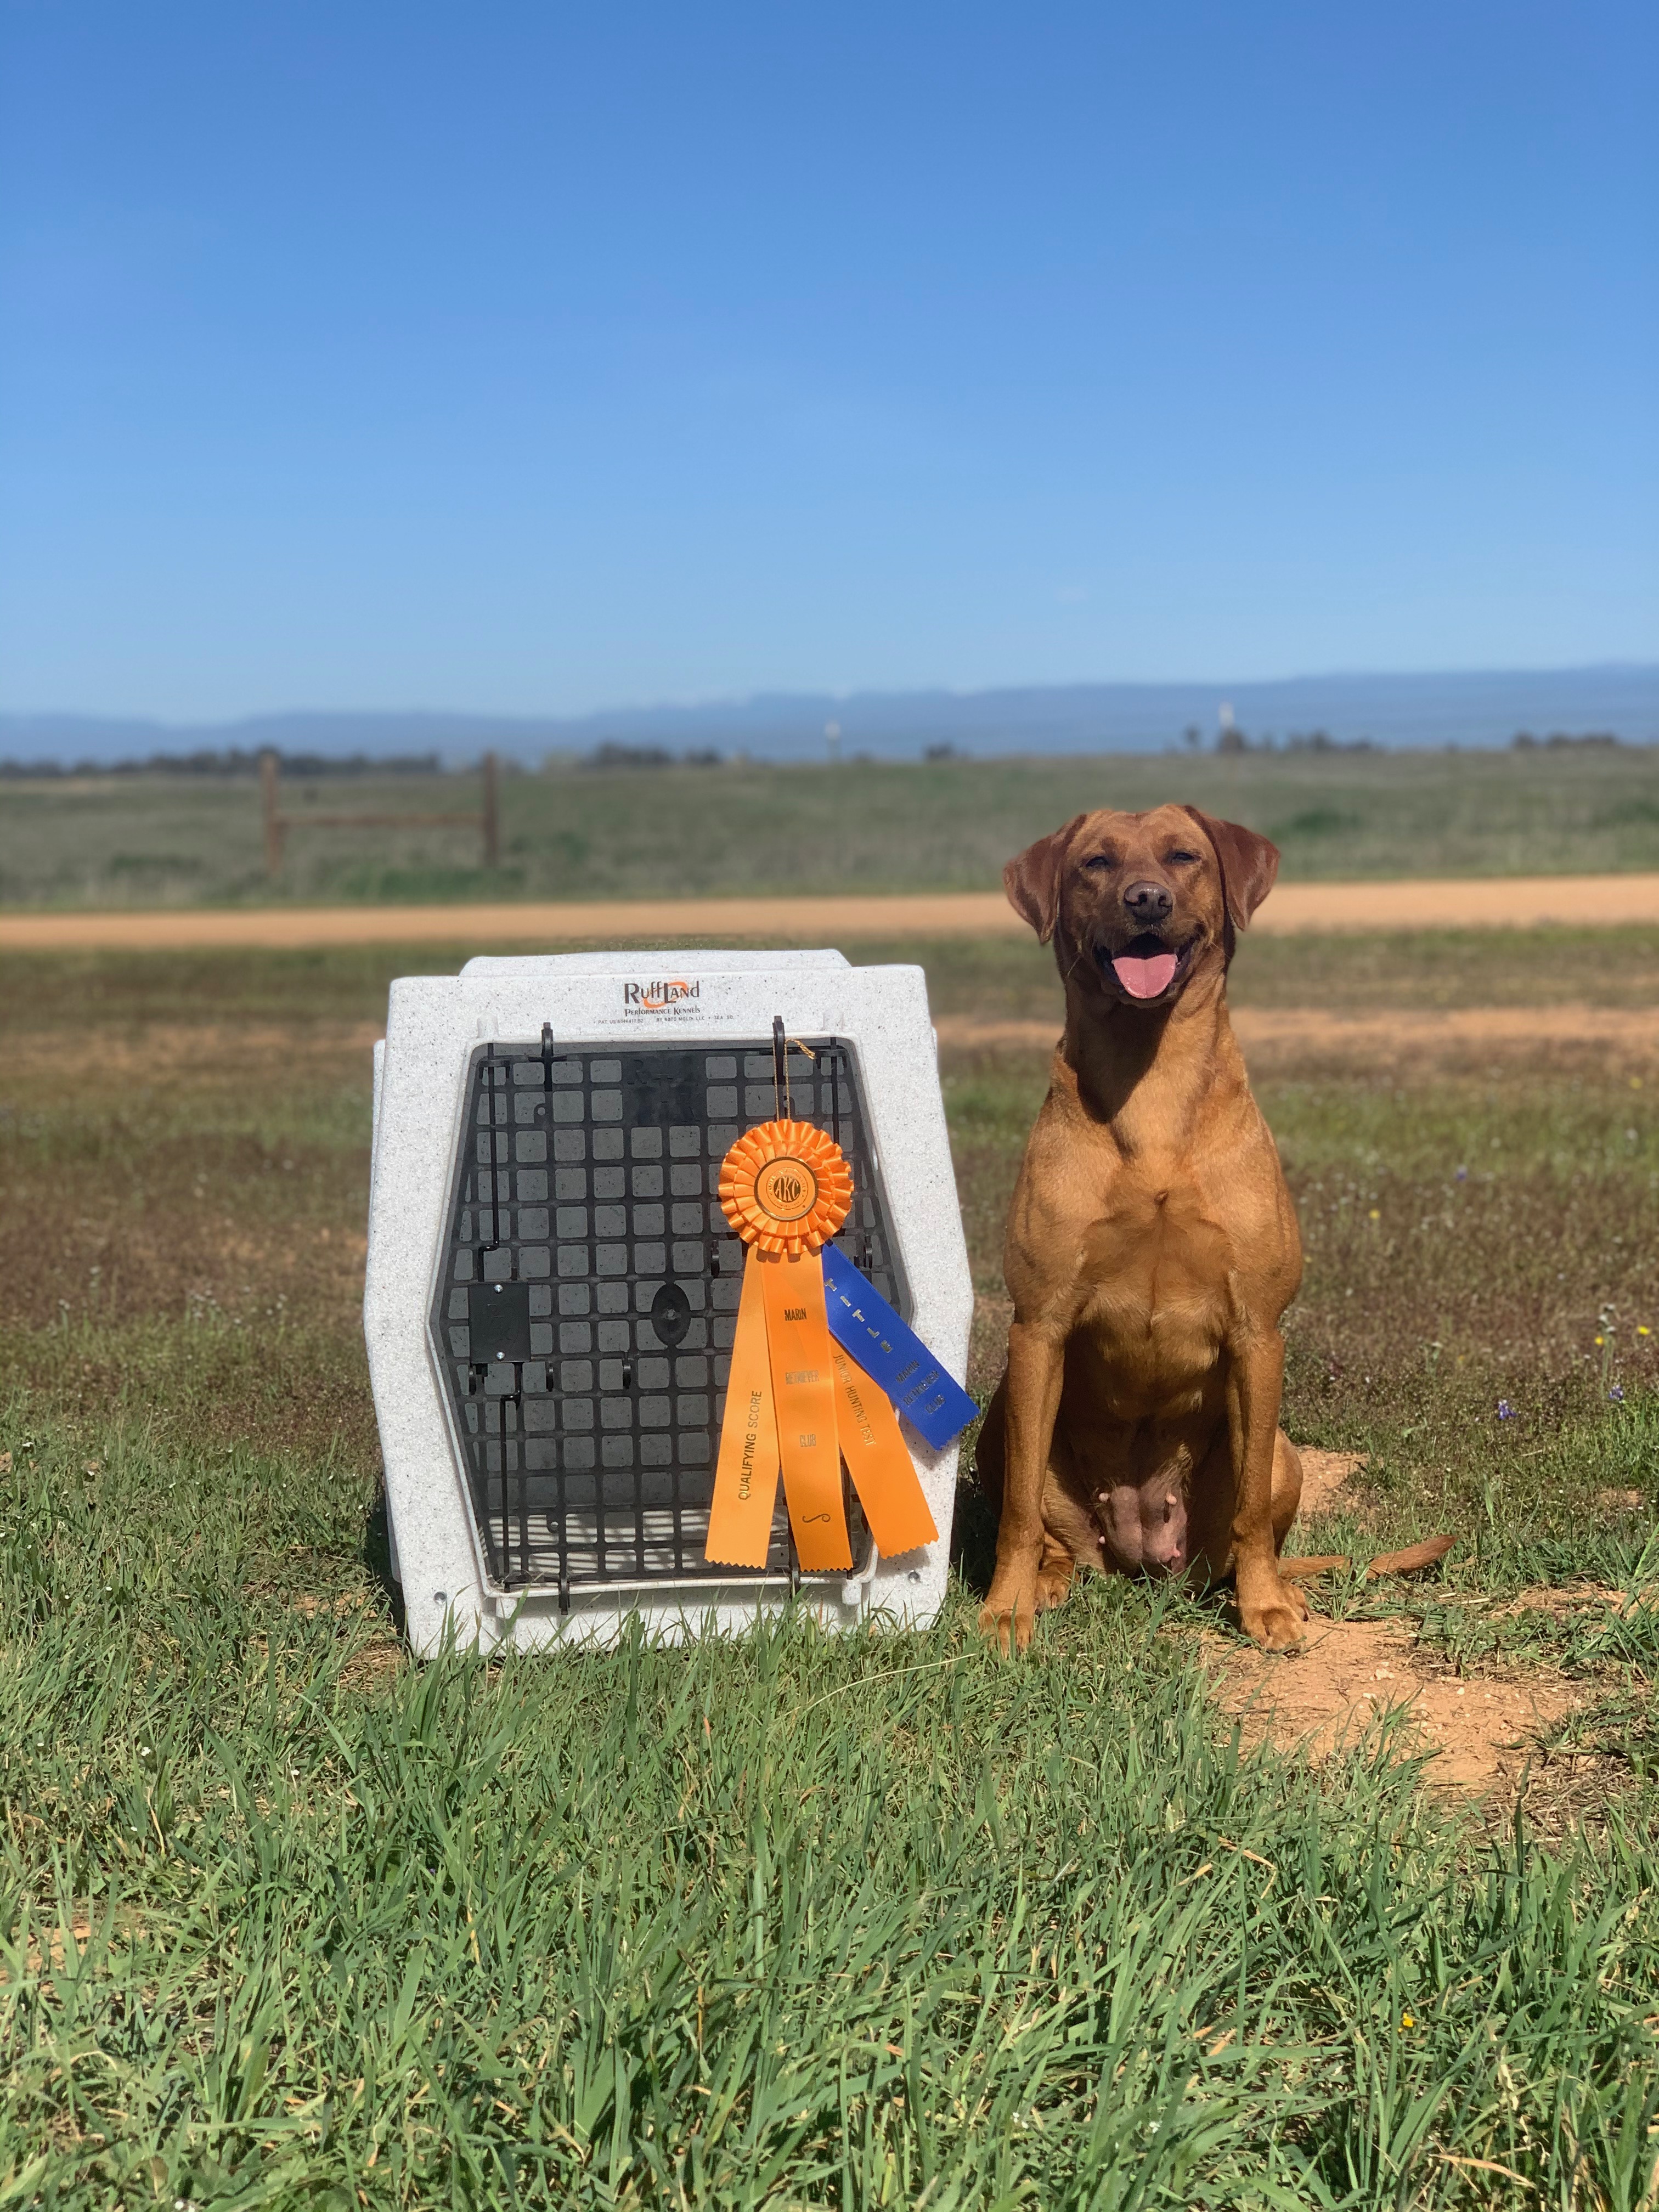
column 1474, row 709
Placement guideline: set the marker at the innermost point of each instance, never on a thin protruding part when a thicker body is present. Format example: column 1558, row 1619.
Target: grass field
column 949, row 825
column 288, row 1920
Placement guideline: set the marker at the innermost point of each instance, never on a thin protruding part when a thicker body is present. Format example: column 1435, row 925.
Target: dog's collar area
column 1147, row 971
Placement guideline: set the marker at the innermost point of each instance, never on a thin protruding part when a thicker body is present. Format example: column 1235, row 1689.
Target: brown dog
column 1151, row 1245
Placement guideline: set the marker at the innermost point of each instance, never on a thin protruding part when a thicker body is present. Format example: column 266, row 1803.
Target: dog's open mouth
column 1148, row 967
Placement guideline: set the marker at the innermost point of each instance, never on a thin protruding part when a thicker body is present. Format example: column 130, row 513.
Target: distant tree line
column 232, row 761
column 1229, row 738
column 1558, row 741
column 612, row 754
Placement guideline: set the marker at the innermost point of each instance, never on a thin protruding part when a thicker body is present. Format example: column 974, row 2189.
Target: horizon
column 1410, row 710
column 712, row 702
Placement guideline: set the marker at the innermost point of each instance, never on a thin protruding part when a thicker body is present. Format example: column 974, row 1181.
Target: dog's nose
column 1148, row 903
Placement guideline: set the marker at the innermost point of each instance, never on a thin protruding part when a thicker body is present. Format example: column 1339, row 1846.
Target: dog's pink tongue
column 1145, row 979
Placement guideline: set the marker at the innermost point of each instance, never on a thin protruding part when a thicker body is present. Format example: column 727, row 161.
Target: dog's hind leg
column 1287, row 1488
column 1071, row 1538
column 1054, row 1571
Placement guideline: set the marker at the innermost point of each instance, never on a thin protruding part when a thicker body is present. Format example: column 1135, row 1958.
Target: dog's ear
column 1249, row 864
column 1032, row 880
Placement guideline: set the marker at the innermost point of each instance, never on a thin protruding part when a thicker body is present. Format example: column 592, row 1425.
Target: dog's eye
column 1101, row 860
column 1179, row 860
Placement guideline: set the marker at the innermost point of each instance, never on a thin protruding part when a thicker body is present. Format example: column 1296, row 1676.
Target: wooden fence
column 487, row 821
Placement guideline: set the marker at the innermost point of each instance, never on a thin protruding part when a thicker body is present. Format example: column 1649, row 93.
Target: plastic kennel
column 552, row 1287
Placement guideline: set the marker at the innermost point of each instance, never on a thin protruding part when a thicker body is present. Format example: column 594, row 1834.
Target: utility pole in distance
column 274, row 824
column 492, row 813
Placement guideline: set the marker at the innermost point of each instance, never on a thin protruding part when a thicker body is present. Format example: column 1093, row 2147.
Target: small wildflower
column 1505, row 1411
column 1462, row 1175
column 1375, row 1214
column 1601, row 1339
column 1406, row 2021
column 1617, row 1395
column 1642, row 1329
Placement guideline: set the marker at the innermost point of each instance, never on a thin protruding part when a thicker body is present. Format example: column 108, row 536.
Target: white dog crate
column 552, row 1287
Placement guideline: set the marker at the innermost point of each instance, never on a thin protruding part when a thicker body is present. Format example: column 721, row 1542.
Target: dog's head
column 1137, row 902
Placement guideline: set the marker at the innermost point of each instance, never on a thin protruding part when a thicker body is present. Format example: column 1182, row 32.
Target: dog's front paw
column 1273, row 1613
column 1009, row 1614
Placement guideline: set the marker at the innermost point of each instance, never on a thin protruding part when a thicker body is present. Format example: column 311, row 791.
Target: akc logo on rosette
column 786, row 1187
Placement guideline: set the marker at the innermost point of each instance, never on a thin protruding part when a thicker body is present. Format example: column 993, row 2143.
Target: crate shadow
column 376, row 1555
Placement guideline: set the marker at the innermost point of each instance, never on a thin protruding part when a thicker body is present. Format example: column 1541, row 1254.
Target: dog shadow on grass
column 974, row 1537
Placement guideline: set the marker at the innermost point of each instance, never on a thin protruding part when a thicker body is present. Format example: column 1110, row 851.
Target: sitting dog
column 1152, row 1245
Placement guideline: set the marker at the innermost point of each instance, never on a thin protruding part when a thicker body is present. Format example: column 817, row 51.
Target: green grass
column 947, row 825
column 799, row 1920
column 287, row 1920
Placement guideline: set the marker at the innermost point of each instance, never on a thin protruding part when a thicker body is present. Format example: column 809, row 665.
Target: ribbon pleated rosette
column 798, row 1402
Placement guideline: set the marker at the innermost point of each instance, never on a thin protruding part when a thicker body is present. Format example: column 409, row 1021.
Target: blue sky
column 530, row 358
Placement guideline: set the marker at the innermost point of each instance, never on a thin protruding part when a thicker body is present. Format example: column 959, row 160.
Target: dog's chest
column 1156, row 1267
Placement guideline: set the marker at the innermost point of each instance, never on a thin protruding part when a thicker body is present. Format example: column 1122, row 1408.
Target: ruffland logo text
column 658, row 998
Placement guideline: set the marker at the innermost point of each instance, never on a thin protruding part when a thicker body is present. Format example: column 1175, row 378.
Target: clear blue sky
column 529, row 357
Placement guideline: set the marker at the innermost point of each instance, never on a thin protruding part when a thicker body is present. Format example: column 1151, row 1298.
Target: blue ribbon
column 891, row 1353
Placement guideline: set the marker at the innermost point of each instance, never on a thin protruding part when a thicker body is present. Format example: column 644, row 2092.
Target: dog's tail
column 1408, row 1562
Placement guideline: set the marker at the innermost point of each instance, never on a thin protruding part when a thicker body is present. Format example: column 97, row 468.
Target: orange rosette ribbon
column 795, row 1401
column 785, row 1188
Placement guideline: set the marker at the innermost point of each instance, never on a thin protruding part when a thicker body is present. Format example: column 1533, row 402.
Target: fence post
column 273, row 820
column 492, row 813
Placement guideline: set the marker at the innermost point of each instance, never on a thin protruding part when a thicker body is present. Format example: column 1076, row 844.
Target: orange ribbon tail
column 878, row 1461
column 746, row 1472
column 803, row 1392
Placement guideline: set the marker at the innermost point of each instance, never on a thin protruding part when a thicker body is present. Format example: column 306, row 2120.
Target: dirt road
column 1513, row 901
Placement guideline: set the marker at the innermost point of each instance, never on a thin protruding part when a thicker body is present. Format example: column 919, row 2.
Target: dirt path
column 1295, row 909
